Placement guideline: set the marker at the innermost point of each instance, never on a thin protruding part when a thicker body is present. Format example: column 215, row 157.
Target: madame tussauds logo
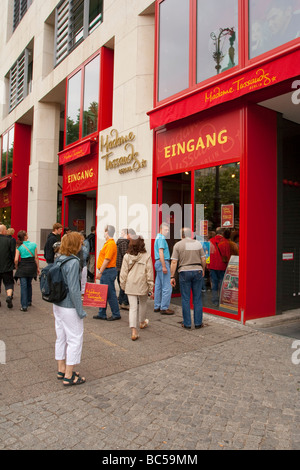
column 130, row 161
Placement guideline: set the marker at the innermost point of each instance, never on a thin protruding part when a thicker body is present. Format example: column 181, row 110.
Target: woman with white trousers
column 69, row 314
column 136, row 279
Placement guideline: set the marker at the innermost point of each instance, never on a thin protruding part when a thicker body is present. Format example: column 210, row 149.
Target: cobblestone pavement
column 226, row 386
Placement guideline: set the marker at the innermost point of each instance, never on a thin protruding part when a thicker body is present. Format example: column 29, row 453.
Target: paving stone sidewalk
column 226, row 386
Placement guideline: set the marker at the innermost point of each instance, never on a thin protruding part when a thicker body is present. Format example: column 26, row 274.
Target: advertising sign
column 227, row 215
column 205, row 142
column 71, row 154
column 230, row 288
column 80, row 175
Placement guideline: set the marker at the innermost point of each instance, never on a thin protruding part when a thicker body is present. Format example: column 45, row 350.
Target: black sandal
column 61, row 375
column 72, row 381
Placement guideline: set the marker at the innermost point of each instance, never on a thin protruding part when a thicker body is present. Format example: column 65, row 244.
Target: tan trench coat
column 136, row 276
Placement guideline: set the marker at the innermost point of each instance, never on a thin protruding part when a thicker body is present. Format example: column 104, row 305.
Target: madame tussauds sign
column 129, row 160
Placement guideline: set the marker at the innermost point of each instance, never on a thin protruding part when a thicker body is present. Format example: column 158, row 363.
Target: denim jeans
column 216, row 283
column 108, row 277
column 26, row 291
column 163, row 288
column 191, row 281
column 123, row 299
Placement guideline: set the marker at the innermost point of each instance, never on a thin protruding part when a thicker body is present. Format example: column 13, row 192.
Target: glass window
column 91, row 96
column 173, row 61
column 272, row 24
column 4, row 154
column 217, row 37
column 73, row 113
column 19, row 79
column 217, row 191
column 5, row 216
column 11, row 139
column 20, row 8
column 74, row 21
column 95, row 13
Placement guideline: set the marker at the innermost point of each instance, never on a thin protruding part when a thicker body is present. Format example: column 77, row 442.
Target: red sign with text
column 260, row 78
column 79, row 151
column 195, row 143
column 95, row 295
column 80, row 176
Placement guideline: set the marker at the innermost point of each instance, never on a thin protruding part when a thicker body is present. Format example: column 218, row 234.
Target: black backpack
column 52, row 284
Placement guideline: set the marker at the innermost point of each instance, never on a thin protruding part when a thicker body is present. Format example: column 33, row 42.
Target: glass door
column 216, row 217
column 175, row 207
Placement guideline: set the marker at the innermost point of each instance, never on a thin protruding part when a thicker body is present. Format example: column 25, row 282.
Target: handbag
column 224, row 257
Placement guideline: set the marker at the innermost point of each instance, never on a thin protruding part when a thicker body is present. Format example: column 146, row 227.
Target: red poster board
column 230, row 288
column 95, row 295
column 227, row 215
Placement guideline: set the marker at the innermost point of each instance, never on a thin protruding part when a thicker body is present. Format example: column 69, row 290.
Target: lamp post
column 218, row 55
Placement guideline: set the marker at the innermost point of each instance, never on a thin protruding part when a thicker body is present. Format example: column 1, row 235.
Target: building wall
column 128, row 28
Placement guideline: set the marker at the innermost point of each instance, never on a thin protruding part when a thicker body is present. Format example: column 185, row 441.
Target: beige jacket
column 136, row 276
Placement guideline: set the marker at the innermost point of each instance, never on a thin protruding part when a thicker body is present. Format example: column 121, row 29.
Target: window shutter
column 62, row 31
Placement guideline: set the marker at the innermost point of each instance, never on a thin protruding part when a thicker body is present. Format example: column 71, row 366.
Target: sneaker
column 9, row 301
column 124, row 306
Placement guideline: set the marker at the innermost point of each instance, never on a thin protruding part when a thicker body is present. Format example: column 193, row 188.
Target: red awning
column 4, row 183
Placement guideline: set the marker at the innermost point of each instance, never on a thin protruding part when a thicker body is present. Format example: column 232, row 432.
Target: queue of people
column 128, row 261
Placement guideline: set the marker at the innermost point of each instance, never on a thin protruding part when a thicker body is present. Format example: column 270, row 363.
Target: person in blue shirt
column 163, row 288
column 27, row 266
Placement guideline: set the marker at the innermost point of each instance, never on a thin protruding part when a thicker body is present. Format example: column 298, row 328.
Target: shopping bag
column 95, row 295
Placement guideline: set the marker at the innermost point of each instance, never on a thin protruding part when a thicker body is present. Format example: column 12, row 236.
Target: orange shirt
column 109, row 251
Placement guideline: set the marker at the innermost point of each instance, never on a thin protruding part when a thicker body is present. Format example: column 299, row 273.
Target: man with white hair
column 7, row 256
column 188, row 255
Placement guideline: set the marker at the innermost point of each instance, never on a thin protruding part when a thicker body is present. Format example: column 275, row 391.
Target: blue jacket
column 71, row 274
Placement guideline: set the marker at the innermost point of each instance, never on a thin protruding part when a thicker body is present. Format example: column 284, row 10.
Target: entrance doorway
column 174, row 197
column 206, row 200
column 80, row 211
column 288, row 232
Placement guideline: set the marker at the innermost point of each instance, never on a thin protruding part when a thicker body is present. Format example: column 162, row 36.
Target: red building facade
column 226, row 133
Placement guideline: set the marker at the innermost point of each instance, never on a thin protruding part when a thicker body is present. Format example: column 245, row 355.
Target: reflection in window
column 173, row 65
column 216, row 186
column 272, row 24
column 76, row 24
column 7, row 152
column 91, row 96
column 4, row 154
column 217, row 37
column 5, row 215
column 73, row 112
column 217, row 204
column 95, row 14
column 11, row 138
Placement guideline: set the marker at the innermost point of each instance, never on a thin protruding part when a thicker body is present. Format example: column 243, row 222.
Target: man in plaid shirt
column 122, row 246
